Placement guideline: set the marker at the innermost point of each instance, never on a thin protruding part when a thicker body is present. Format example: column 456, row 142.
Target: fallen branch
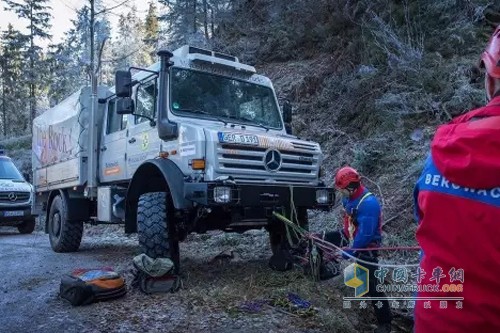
column 394, row 217
column 379, row 189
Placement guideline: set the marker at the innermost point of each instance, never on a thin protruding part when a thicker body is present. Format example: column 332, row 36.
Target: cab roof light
column 225, row 56
column 209, row 53
column 193, row 49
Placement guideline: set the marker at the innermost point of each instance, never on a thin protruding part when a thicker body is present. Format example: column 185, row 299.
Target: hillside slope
column 369, row 80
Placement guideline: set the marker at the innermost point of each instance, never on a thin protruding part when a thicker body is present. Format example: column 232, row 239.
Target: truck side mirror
column 125, row 105
column 123, row 84
column 287, row 112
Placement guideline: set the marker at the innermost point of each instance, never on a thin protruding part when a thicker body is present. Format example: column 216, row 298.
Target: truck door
column 113, row 147
column 143, row 142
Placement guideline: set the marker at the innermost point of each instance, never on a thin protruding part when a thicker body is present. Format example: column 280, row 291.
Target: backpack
column 86, row 286
column 155, row 275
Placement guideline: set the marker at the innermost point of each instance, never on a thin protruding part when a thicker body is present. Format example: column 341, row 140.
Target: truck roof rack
column 198, row 54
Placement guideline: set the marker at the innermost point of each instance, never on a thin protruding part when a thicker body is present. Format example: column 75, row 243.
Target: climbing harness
column 353, row 215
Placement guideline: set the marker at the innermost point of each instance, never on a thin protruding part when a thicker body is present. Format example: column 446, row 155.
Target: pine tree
column 14, row 93
column 129, row 48
column 151, row 30
column 102, row 43
column 65, row 73
column 36, row 12
column 179, row 21
column 69, row 60
column 192, row 21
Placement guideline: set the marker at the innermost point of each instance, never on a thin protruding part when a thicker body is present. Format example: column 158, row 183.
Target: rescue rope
column 330, row 248
column 386, row 248
column 298, row 233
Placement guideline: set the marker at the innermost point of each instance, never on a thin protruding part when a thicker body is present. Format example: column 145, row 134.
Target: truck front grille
column 246, row 163
column 14, row 197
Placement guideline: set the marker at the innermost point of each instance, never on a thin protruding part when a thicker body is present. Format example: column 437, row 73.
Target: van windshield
column 198, row 94
column 8, row 170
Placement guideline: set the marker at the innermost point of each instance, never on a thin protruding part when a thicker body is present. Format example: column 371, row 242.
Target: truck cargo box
column 61, row 140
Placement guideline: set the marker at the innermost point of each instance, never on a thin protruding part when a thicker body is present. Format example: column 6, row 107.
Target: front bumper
column 10, row 216
column 253, row 195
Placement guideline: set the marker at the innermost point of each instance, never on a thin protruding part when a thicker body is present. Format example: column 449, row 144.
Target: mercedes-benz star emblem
column 12, row 196
column 272, row 160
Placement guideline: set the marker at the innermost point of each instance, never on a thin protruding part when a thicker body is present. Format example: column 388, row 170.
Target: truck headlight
column 322, row 196
column 222, row 194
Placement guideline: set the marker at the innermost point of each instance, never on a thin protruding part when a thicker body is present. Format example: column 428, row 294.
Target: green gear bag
column 155, row 275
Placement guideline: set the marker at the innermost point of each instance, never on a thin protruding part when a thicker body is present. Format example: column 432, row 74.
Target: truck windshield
column 217, row 97
column 8, row 170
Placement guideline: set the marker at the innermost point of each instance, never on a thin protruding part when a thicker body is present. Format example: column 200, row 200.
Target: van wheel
column 27, row 227
column 64, row 235
column 152, row 224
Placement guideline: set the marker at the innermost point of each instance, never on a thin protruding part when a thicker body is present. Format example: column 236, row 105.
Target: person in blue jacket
column 362, row 229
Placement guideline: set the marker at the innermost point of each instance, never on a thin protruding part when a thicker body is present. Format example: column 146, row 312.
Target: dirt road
column 29, row 283
column 210, row 301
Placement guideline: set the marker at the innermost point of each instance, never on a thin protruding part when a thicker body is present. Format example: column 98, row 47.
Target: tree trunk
column 194, row 15
column 32, row 74
column 212, row 20
column 92, row 71
column 4, row 107
column 205, row 18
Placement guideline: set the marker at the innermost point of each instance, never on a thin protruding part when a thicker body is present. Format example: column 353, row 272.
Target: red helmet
column 490, row 58
column 345, row 176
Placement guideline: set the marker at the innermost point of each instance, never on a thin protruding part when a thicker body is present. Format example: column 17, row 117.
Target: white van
column 16, row 197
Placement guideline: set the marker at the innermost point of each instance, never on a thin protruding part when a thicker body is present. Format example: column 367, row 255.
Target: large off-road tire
column 64, row 235
column 27, row 227
column 152, row 224
column 277, row 232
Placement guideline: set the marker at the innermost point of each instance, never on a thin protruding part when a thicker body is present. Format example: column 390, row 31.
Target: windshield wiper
column 203, row 112
column 249, row 121
column 263, row 126
column 193, row 111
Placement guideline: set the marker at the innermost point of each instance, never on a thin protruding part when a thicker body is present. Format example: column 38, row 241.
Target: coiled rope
column 327, row 247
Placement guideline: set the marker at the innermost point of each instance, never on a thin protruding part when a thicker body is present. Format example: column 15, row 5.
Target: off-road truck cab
column 193, row 143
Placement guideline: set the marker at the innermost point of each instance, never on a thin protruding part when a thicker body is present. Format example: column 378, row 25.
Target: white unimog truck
column 195, row 142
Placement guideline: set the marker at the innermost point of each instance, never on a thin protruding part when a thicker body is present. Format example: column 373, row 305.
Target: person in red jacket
column 457, row 204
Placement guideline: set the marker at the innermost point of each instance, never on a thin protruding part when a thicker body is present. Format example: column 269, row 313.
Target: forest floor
column 226, row 277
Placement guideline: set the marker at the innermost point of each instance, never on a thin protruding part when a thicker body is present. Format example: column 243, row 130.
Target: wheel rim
column 56, row 224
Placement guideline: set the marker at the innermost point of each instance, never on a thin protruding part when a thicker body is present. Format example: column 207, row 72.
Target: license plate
column 13, row 213
column 245, row 139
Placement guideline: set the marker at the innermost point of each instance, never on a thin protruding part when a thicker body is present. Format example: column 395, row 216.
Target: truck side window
column 116, row 122
column 146, row 101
